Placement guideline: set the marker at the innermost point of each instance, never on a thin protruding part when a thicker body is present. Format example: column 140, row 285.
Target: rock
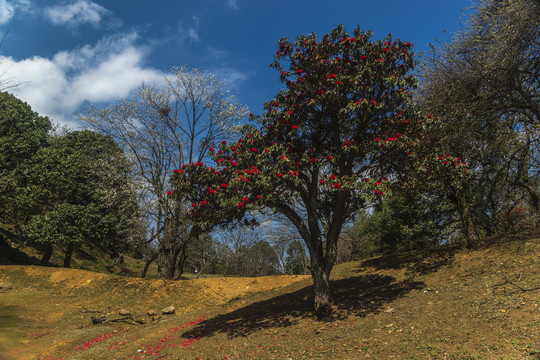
column 151, row 312
column 124, row 312
column 168, row 310
column 98, row 320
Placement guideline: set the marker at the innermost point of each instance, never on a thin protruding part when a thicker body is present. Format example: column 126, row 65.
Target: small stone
column 151, row 312
column 124, row 312
column 168, row 310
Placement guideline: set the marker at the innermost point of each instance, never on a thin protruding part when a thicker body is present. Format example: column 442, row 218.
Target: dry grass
column 445, row 304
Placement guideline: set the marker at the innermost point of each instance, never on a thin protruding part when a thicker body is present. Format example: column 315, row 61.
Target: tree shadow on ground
column 363, row 295
column 10, row 255
column 359, row 295
column 414, row 263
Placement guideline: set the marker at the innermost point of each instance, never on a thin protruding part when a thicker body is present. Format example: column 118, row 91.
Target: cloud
column 6, row 11
column 233, row 4
column 77, row 13
column 104, row 72
column 232, row 78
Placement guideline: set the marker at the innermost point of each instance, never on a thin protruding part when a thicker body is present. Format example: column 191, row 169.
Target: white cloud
column 232, row 78
column 77, row 13
column 6, row 11
column 104, row 72
column 233, row 4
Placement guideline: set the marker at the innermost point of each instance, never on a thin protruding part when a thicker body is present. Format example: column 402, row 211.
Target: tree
column 6, row 83
column 80, row 183
column 23, row 132
column 326, row 147
column 160, row 129
column 485, row 85
column 297, row 262
column 406, row 221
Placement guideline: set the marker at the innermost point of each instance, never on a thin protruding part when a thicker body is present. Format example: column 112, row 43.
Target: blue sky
column 66, row 53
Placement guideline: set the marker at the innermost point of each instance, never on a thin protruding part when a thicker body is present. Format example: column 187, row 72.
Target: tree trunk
column 321, row 288
column 469, row 230
column 535, row 203
column 181, row 261
column 149, row 261
column 170, row 264
column 46, row 256
column 69, row 253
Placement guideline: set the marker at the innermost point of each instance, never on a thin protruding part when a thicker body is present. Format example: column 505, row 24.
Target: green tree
column 408, row 220
column 326, row 147
column 81, row 183
column 22, row 133
column 297, row 262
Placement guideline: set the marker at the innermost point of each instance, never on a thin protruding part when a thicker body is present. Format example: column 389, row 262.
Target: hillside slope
column 445, row 304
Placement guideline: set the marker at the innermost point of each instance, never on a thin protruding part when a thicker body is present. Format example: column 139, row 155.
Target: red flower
column 169, row 192
column 295, row 127
column 258, row 197
column 321, row 182
column 280, row 175
column 332, row 177
column 224, row 185
column 204, row 202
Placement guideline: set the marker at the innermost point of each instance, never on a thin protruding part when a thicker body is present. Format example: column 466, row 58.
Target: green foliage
column 80, row 184
column 297, row 262
column 406, row 221
column 22, row 133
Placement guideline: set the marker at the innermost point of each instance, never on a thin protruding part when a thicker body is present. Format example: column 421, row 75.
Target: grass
column 443, row 304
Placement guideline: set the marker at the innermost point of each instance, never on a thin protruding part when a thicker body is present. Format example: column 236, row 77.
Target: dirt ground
column 440, row 304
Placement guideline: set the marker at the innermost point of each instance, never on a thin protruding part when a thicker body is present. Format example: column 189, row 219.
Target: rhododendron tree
column 331, row 143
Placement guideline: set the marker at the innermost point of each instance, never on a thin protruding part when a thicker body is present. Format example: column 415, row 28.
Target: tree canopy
column 329, row 144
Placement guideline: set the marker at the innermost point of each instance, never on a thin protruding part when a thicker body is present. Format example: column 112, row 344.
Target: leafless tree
column 161, row 128
column 485, row 84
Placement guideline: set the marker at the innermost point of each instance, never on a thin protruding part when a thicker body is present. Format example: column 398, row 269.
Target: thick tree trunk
column 320, row 273
column 149, row 261
column 46, row 256
column 321, row 291
column 69, row 253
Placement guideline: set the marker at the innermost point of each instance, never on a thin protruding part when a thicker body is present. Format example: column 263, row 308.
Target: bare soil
column 442, row 304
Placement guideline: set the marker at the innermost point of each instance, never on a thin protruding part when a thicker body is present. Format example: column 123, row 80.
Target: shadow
column 10, row 255
column 359, row 295
column 81, row 254
column 415, row 263
column 13, row 326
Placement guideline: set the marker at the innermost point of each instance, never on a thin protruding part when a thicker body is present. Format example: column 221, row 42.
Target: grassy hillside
column 445, row 304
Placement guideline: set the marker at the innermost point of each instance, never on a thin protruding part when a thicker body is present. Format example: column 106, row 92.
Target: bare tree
column 6, row 82
column 485, row 84
column 161, row 128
